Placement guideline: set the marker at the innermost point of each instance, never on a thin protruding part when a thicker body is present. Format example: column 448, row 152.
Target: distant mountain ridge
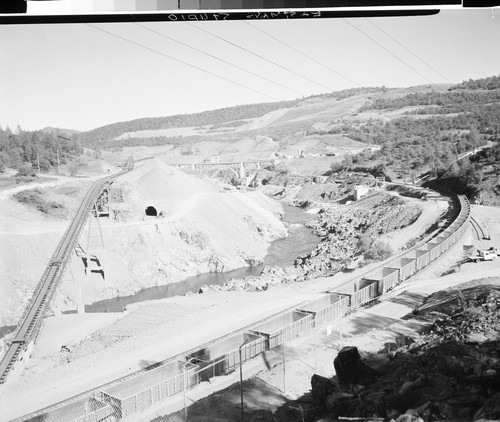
column 211, row 117
column 450, row 98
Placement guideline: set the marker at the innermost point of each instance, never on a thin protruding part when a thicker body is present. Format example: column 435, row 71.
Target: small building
column 360, row 191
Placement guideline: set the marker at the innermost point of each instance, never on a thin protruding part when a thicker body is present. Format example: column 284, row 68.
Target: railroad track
column 31, row 320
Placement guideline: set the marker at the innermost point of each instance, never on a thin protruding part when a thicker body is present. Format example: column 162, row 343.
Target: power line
column 218, row 58
column 303, row 54
column 407, row 49
column 259, row 56
column 181, row 61
column 390, row 52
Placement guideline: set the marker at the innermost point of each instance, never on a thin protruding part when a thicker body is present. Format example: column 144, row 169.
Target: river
column 281, row 252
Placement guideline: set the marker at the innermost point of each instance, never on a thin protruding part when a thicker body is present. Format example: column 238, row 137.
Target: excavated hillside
column 199, row 227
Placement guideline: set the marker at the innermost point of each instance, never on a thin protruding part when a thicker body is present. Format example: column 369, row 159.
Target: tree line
column 454, row 101
column 29, row 151
column 491, row 82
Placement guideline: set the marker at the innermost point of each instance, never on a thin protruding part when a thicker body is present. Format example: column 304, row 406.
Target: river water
column 281, row 252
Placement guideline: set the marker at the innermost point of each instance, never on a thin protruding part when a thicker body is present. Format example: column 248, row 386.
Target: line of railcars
column 393, row 273
column 139, row 392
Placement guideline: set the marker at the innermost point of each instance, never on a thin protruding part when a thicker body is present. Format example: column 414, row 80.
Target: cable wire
column 390, row 52
column 409, row 51
column 303, row 54
column 221, row 60
column 259, row 56
column 181, row 61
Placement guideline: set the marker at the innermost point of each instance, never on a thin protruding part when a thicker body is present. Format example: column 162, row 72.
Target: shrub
column 25, row 169
column 73, row 168
column 336, row 167
column 378, row 251
column 364, row 242
column 197, row 238
column 33, row 197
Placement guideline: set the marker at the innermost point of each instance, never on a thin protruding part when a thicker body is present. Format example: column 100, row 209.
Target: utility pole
column 58, row 164
column 38, row 162
column 242, row 404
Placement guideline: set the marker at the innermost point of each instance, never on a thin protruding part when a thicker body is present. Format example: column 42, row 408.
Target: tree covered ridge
column 211, row 117
column 442, row 102
column 25, row 150
column 491, row 82
column 459, row 120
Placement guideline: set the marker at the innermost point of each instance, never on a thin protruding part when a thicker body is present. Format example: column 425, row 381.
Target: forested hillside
column 492, row 82
column 422, row 131
column 431, row 138
column 24, row 150
column 211, row 117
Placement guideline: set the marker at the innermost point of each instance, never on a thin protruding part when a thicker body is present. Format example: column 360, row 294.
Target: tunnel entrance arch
column 151, row 211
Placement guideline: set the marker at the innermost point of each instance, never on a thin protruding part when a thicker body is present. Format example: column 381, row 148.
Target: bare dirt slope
column 203, row 228
column 200, row 227
column 28, row 238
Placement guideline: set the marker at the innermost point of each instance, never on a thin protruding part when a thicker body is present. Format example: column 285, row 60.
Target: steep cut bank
column 199, row 227
column 170, row 225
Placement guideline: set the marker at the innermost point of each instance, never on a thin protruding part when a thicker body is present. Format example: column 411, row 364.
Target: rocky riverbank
column 346, row 231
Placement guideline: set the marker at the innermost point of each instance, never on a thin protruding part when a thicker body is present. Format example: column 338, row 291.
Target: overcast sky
column 78, row 77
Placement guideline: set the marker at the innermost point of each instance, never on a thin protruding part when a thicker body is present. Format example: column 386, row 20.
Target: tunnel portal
column 151, row 212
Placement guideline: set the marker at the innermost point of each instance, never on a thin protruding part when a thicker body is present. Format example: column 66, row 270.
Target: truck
column 485, row 255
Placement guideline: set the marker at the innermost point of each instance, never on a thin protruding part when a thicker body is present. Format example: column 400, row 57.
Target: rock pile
column 443, row 375
column 270, row 275
column 451, row 381
column 341, row 227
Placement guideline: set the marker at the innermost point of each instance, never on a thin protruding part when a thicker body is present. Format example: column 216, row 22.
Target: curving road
column 31, row 320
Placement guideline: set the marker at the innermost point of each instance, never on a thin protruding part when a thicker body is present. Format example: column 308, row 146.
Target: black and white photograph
column 259, row 210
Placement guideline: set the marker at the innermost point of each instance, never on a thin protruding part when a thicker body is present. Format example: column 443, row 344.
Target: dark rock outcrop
column 351, row 369
column 322, row 387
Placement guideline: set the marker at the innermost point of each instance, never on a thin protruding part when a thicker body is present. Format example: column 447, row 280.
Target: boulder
column 322, row 387
column 351, row 369
column 340, row 404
